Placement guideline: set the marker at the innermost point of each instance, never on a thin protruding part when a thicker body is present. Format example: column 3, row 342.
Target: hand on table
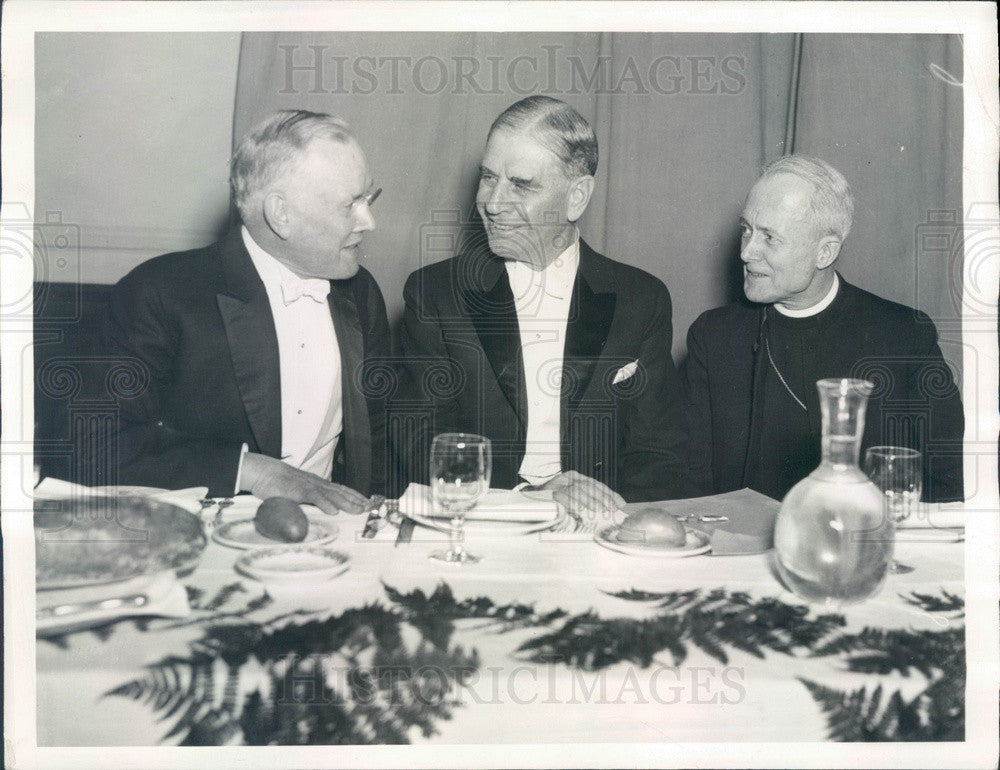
column 583, row 497
column 268, row 477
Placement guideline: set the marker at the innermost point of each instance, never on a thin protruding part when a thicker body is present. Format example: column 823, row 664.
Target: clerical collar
column 816, row 309
column 556, row 278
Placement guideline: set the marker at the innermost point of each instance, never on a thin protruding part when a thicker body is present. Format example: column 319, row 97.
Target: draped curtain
column 684, row 122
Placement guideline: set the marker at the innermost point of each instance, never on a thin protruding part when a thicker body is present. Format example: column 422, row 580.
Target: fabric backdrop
column 684, row 122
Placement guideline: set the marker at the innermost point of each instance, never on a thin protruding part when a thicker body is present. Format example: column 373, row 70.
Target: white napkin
column 625, row 372
column 495, row 505
column 163, row 594
column 57, row 489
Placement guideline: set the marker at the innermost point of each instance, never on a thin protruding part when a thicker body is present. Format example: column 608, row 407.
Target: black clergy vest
column 785, row 437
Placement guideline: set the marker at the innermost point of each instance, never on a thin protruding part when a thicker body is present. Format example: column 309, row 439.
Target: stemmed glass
column 898, row 472
column 460, row 470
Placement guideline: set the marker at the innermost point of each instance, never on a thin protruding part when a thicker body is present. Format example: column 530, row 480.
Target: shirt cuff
column 239, row 469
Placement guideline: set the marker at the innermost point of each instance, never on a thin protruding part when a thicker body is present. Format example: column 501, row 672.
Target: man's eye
column 744, row 231
column 489, row 178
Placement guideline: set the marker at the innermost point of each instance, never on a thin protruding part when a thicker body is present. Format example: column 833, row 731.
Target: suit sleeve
column 933, row 384
column 140, row 447
column 424, row 360
column 653, row 463
column 377, row 366
column 698, row 412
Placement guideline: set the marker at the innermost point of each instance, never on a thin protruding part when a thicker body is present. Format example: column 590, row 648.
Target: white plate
column 243, row 534
column 696, row 543
column 297, row 562
column 126, row 491
column 488, row 527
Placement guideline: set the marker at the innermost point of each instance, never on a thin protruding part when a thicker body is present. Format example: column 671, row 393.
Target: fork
column 223, row 504
column 701, row 518
column 211, row 522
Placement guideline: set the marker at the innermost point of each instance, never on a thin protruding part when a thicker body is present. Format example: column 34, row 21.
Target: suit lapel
column 253, row 344
column 491, row 308
column 591, row 312
column 356, row 437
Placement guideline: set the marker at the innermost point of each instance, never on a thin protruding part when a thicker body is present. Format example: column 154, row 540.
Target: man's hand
column 583, row 496
column 267, row 477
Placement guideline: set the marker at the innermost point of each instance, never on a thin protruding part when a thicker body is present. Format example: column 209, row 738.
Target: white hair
column 832, row 204
column 271, row 147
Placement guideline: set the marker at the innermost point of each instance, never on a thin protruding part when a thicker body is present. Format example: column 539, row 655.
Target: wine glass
column 460, row 469
column 898, row 472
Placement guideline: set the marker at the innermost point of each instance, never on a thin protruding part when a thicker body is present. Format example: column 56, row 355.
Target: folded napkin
column 750, row 528
column 495, row 505
column 56, row 489
column 71, row 609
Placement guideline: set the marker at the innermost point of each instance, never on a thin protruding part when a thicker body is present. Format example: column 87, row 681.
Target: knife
column 405, row 531
column 374, row 521
column 99, row 605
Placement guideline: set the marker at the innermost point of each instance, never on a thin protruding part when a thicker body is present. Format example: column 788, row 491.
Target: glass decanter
column 832, row 541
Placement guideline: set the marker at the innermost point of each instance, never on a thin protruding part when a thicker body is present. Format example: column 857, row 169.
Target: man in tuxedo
column 254, row 347
column 556, row 353
column 752, row 367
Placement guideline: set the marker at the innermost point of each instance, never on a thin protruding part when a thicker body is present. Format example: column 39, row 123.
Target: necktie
column 293, row 289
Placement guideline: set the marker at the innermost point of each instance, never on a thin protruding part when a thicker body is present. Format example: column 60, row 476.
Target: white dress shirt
column 312, row 416
column 542, row 299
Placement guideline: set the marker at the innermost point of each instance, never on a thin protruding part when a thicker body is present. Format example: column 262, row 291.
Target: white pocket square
column 625, row 372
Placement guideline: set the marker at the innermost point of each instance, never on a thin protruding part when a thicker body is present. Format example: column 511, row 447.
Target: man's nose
column 749, row 250
column 364, row 220
column 497, row 199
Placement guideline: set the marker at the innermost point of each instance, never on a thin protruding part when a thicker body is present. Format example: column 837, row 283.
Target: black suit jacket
column 915, row 402
column 199, row 325
column 462, row 371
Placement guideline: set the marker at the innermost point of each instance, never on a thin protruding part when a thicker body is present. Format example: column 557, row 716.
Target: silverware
column 702, row 518
column 120, row 602
column 405, row 531
column 376, row 518
column 223, row 504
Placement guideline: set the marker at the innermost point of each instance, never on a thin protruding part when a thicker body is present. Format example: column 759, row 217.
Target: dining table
column 549, row 637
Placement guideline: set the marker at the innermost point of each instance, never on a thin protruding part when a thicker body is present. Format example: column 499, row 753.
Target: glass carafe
column 832, row 542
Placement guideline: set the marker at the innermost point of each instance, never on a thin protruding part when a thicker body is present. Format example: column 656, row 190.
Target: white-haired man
column 253, row 345
column 752, row 367
column 558, row 354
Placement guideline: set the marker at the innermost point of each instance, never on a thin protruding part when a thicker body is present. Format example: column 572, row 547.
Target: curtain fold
column 684, row 121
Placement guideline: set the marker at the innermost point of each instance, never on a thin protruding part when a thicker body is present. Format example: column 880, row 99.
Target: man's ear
column 578, row 197
column 275, row 213
column 827, row 251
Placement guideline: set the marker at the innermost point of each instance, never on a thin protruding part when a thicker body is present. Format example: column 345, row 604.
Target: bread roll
column 653, row 528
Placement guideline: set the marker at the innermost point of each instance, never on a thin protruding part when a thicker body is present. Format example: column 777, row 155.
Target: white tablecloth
column 510, row 699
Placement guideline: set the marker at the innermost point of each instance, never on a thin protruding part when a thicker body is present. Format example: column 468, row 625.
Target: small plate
column 243, row 534
column 297, row 562
column 695, row 544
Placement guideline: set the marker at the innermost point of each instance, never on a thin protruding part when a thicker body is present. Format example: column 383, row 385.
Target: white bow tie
column 314, row 288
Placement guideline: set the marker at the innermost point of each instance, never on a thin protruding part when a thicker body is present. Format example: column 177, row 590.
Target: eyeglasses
column 370, row 198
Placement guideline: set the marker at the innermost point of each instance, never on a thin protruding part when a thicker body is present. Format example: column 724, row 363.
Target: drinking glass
column 460, row 469
column 898, row 472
